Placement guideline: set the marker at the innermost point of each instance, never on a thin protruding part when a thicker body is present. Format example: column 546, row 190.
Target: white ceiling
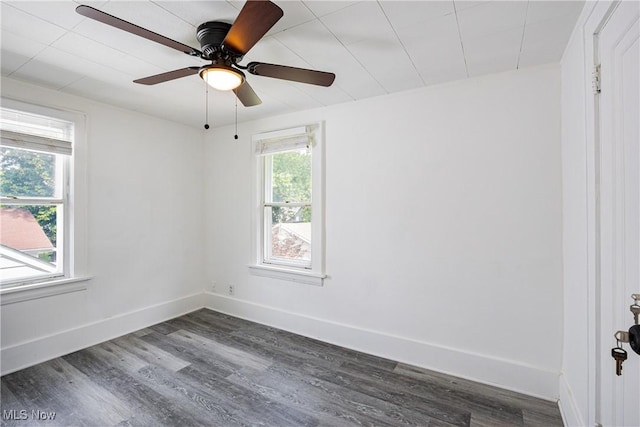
column 374, row 48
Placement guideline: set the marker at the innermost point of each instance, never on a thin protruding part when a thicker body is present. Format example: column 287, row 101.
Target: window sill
column 308, row 278
column 50, row 288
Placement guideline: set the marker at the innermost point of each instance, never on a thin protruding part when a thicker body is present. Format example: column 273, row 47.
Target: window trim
column 37, row 290
column 279, row 272
column 74, row 222
column 315, row 272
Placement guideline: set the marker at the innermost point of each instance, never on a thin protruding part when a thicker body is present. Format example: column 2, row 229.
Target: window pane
column 28, row 241
column 291, row 176
column 26, row 173
column 290, row 237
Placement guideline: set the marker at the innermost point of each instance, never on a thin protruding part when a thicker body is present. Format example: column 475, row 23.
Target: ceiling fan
column 224, row 45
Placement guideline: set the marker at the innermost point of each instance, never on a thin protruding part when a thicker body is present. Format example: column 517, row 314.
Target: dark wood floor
column 210, row 369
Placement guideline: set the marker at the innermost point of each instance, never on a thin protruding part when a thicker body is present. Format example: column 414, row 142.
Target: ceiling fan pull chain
column 206, row 105
column 236, row 135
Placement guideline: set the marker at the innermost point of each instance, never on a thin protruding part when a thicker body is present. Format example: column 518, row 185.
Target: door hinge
column 595, row 79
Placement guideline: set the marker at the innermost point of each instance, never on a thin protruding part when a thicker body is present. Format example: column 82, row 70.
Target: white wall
column 443, row 229
column 145, row 243
column 575, row 369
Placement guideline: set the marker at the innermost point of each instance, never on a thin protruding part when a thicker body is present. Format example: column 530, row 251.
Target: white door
column 619, row 140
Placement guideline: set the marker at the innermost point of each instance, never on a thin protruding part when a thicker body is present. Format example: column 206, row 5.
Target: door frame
column 600, row 318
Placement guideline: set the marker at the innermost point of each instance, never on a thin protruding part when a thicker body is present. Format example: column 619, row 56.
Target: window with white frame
column 35, row 153
column 291, row 216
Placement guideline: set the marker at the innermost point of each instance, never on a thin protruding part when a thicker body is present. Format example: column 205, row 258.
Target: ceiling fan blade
column 246, row 95
column 170, row 75
column 255, row 19
column 302, row 75
column 105, row 18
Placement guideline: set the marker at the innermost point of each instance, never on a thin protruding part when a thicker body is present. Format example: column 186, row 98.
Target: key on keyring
column 620, row 355
column 635, row 309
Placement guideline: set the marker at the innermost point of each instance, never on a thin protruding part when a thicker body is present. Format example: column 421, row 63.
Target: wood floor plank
column 222, row 351
column 310, row 348
column 316, row 400
column 57, row 387
column 334, row 405
column 189, row 398
column 221, row 320
column 193, row 354
column 386, row 392
column 211, row 369
column 151, row 408
column 203, row 330
column 150, row 353
column 142, row 332
column 541, row 419
column 163, row 328
column 246, row 400
column 490, row 409
column 502, row 396
column 86, row 396
column 196, row 392
column 117, row 356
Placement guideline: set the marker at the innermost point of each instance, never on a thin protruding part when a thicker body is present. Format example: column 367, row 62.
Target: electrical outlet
column 230, row 289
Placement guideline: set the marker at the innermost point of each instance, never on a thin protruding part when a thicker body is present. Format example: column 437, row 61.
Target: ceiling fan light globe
column 222, row 78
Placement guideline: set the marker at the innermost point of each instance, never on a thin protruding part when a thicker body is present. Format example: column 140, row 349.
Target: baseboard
column 502, row 373
column 23, row 355
column 485, row 369
column 568, row 407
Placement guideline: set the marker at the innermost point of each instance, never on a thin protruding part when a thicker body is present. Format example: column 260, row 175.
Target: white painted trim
column 318, row 218
column 308, row 278
column 75, row 219
column 38, row 290
column 598, row 392
column 23, row 355
column 588, row 25
column 506, row 374
column 568, row 407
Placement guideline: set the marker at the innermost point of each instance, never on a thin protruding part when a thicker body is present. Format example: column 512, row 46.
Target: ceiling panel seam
column 464, row 55
column 365, row 68
column 404, row 48
column 526, row 12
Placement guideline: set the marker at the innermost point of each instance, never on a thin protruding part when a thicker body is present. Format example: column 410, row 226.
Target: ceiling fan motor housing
column 210, row 35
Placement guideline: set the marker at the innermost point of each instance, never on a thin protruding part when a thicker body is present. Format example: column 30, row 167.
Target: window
column 35, row 216
column 290, row 195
